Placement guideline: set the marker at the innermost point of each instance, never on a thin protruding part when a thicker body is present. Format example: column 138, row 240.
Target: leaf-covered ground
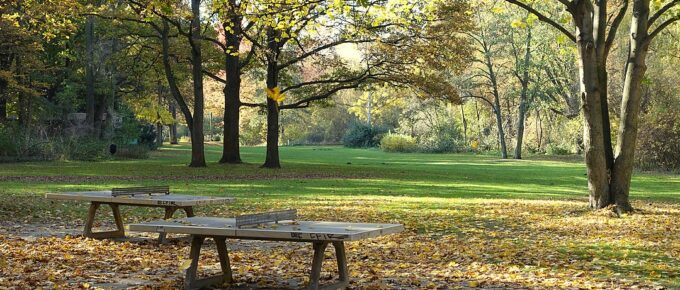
column 472, row 222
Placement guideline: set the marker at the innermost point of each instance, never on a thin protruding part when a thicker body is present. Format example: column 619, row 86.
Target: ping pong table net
column 266, row 217
column 145, row 190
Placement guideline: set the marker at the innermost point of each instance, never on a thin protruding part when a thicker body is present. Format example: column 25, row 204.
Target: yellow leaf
column 185, row 265
column 275, row 94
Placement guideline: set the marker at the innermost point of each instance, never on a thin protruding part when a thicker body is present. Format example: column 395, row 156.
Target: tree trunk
column 23, row 104
column 232, row 94
column 173, row 126
column 522, row 110
column 462, row 114
column 3, row 101
column 521, row 118
column 497, row 106
column 5, row 64
column 630, row 106
column 272, row 159
column 197, row 137
column 3, row 106
column 593, row 133
column 159, row 134
column 90, row 104
column 499, row 124
column 600, row 35
column 539, row 130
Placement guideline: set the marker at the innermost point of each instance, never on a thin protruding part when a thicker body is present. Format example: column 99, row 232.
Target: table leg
column 195, row 252
column 189, row 211
column 118, row 218
column 224, row 258
column 90, row 219
column 317, row 262
column 342, row 261
column 169, row 212
column 191, row 281
column 89, row 223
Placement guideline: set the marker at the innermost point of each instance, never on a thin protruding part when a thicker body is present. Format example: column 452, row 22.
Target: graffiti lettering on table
column 166, row 202
column 322, row 237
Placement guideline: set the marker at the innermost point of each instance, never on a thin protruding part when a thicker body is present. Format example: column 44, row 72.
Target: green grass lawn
column 530, row 217
column 371, row 172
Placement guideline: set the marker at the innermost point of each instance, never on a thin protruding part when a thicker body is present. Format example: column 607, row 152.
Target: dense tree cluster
column 513, row 75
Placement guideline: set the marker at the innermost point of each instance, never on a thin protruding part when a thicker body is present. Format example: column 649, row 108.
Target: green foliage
column 147, row 136
column 135, row 151
column 398, row 143
column 361, row 135
column 557, row 149
column 444, row 138
column 658, row 145
column 88, row 149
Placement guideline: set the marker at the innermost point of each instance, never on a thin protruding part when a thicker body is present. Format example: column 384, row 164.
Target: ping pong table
column 273, row 226
column 134, row 196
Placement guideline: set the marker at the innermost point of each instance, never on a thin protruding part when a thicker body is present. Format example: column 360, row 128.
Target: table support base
column 89, row 223
column 317, row 262
column 169, row 212
column 191, row 281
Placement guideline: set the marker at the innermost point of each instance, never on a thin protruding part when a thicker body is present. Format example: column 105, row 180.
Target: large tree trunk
column 3, row 101
column 196, row 153
column 499, row 124
column 593, row 135
column 497, row 106
column 23, row 104
column 521, row 119
column 159, row 134
column 5, row 64
column 232, row 94
column 465, row 129
column 523, row 100
column 90, row 103
column 197, row 137
column 3, row 106
column 173, row 126
column 272, row 158
column 599, row 38
column 630, row 106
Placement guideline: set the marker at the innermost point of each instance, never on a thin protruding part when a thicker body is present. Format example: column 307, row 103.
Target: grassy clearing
column 472, row 220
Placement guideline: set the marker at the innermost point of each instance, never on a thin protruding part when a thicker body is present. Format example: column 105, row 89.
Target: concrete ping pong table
column 156, row 196
column 272, row 226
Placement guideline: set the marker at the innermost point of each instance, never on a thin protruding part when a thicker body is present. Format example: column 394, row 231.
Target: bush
column 398, row 143
column 361, row 135
column 7, row 144
column 132, row 152
column 88, row 149
column 658, row 142
column 444, row 138
column 554, row 149
column 147, row 136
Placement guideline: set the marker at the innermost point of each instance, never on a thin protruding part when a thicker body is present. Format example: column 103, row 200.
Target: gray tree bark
column 523, row 99
column 197, row 136
column 630, row 106
column 89, row 72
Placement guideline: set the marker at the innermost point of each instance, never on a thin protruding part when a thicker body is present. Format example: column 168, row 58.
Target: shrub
column 147, row 136
column 658, row 142
column 398, row 143
column 555, row 149
column 443, row 138
column 7, row 143
column 361, row 135
column 88, row 149
column 132, row 152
